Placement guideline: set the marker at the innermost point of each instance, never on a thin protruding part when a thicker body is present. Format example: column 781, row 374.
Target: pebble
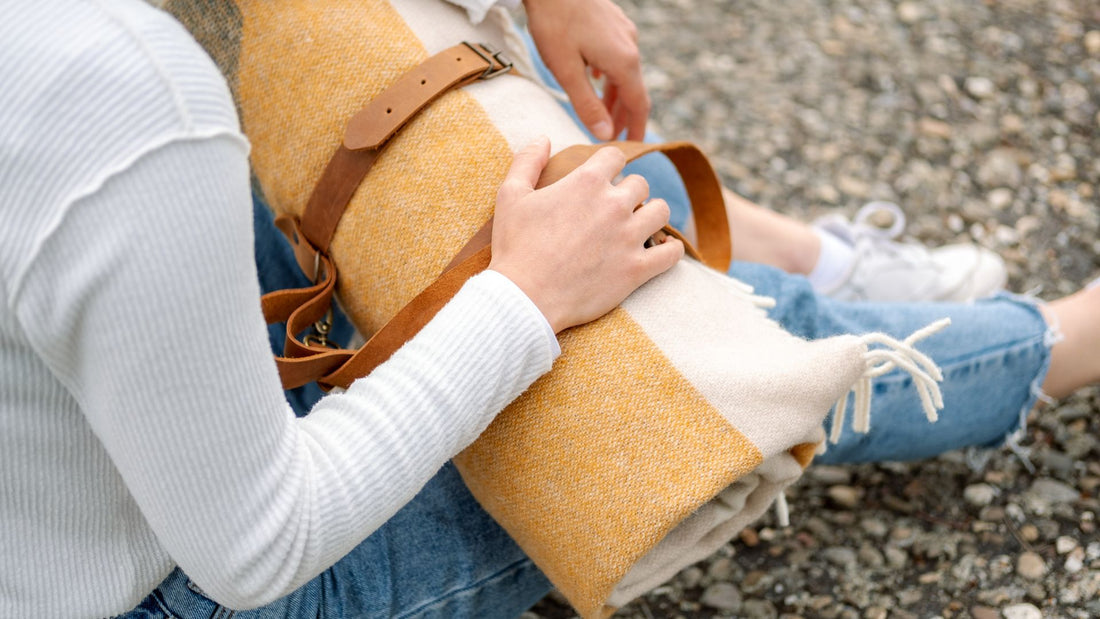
column 1064, row 544
column 722, row 596
column 845, row 496
column 979, row 495
column 1031, row 566
column 980, row 87
column 1053, row 491
column 1021, row 611
column 840, row 556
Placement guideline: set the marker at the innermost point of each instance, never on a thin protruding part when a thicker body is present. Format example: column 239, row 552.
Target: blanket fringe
column 894, row 354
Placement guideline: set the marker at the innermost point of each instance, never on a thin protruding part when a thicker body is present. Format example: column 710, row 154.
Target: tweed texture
column 665, row 426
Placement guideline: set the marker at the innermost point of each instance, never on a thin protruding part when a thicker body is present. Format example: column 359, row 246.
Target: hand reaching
column 576, row 247
column 576, row 35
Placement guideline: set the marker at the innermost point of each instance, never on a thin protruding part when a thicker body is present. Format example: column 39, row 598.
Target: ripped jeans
column 442, row 556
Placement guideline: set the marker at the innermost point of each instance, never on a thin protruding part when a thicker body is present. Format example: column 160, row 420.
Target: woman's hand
column 575, row 35
column 577, row 247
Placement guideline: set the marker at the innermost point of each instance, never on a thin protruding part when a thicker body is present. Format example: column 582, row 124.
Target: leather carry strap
column 304, row 363
column 372, row 127
column 703, row 189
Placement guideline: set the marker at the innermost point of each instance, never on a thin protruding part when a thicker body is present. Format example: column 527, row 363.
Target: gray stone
column 1021, row 611
column 722, row 596
column 840, row 556
column 979, row 495
column 847, row 497
column 1053, row 491
column 759, row 609
column 1031, row 566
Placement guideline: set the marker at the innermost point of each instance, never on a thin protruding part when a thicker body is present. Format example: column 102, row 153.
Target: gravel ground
column 981, row 118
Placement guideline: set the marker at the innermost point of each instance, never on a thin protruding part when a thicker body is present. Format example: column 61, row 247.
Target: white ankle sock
column 833, row 264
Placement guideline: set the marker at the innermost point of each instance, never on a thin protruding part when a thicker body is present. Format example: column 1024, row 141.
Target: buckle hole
column 388, row 110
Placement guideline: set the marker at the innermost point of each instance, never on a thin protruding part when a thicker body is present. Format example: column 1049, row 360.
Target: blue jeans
column 443, row 556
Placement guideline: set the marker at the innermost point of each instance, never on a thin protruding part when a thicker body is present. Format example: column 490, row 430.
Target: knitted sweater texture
column 142, row 424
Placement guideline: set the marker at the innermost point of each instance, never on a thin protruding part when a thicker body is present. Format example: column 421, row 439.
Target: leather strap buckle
column 492, row 58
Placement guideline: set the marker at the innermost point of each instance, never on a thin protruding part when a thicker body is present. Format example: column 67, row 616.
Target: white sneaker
column 884, row 269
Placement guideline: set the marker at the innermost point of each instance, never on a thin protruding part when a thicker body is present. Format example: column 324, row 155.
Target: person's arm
column 144, row 301
column 576, row 36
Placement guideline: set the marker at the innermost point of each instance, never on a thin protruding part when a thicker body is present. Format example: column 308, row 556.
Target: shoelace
column 883, row 240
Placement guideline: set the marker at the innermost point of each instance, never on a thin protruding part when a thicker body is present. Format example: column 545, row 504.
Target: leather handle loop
column 704, row 192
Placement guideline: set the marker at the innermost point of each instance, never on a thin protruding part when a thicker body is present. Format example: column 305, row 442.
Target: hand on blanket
column 574, row 35
column 576, row 247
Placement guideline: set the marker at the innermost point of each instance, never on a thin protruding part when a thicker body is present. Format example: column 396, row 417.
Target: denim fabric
column 443, row 556
column 664, row 181
column 994, row 356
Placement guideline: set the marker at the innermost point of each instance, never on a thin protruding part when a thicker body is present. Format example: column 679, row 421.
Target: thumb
column 527, row 166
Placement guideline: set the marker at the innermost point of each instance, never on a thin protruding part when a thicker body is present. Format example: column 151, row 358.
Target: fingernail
column 602, row 130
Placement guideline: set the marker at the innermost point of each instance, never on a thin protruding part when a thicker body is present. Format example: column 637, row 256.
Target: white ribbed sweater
column 142, row 423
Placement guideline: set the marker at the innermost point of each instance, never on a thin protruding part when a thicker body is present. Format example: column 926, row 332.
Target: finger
column 586, row 103
column 605, row 164
column 650, row 217
column 524, row 173
column 660, row 258
column 634, row 190
column 634, row 100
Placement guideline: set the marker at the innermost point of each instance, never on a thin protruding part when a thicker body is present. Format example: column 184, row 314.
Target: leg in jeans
column 994, row 356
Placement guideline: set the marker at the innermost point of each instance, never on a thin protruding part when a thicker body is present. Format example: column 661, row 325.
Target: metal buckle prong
column 491, row 58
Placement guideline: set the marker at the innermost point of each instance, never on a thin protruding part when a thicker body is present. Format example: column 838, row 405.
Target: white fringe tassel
column 896, row 354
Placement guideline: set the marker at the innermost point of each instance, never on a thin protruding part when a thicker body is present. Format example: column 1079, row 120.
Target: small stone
column 1064, row 544
column 908, row 597
column 870, row 556
column 910, row 12
column 1092, row 42
column 1053, row 491
column 759, row 609
column 1079, row 446
column 896, row 557
column 691, row 577
column 928, row 578
column 979, row 495
column 840, row 556
column 1030, row 566
column 1012, row 124
column 722, row 596
column 979, row 87
column 720, row 569
column 1075, row 562
column 1000, row 198
column 873, row 527
column 1022, row 611
column 845, row 496
column 876, row 612
column 749, row 538
column 993, row 513
column 934, row 128
column 984, row 612
column 999, row 169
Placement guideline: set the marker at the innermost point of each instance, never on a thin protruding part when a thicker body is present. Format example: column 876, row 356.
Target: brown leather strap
column 704, row 192
column 339, row 367
column 372, row 127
